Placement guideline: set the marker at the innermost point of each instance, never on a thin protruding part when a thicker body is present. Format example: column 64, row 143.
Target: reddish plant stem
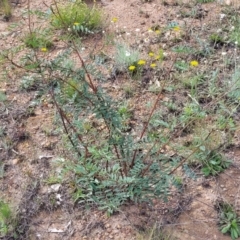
column 152, row 111
column 91, row 84
column 63, row 118
column 29, row 20
column 160, row 149
column 185, row 159
column 95, row 90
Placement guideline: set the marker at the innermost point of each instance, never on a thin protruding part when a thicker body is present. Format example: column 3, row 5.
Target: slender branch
column 64, row 117
column 159, row 96
column 91, row 84
column 29, row 19
column 185, row 159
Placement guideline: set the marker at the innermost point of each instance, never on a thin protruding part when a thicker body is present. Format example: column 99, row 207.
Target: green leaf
column 230, row 216
column 214, row 162
column 206, row 171
column 202, row 148
column 2, row 97
column 234, row 233
column 234, row 222
column 226, row 228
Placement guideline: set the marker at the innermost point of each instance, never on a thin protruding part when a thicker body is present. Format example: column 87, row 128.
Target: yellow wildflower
column 157, row 31
column 44, row 49
column 114, row 20
column 177, row 28
column 194, row 63
column 76, row 24
column 150, row 54
column 157, row 57
column 141, row 62
column 153, row 65
column 150, row 30
column 132, row 68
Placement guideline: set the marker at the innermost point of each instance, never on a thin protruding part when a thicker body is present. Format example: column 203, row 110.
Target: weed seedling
column 5, row 217
column 229, row 221
column 37, row 40
column 77, row 17
column 214, row 163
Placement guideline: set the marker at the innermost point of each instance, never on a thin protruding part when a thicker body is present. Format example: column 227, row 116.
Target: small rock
column 222, row 186
column 55, row 187
column 15, row 161
column 59, row 197
column 41, row 157
column 111, row 236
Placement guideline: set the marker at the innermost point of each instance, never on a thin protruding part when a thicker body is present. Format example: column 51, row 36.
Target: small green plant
column 192, row 112
column 216, row 39
column 37, row 40
column 53, row 180
column 77, row 17
column 191, row 81
column 126, row 115
column 126, row 57
column 69, row 89
column 213, row 163
column 181, row 65
column 233, row 85
column 5, row 218
column 234, row 35
column 30, row 83
column 5, row 5
column 229, row 221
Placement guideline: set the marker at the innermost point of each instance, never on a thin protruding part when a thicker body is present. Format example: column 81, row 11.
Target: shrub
column 77, row 17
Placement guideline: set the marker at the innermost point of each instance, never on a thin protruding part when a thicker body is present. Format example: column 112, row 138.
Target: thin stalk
column 185, row 159
column 29, row 19
column 159, row 96
column 63, row 118
column 91, row 84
